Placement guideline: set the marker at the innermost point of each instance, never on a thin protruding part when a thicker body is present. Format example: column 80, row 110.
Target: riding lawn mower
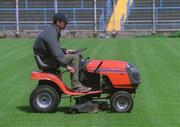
column 114, row 81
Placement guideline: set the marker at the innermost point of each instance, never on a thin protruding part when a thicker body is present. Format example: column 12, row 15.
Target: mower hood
column 102, row 66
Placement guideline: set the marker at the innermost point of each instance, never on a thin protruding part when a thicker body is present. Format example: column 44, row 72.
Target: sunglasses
column 65, row 23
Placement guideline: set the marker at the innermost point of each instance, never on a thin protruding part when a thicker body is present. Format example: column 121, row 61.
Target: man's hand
column 70, row 51
column 70, row 69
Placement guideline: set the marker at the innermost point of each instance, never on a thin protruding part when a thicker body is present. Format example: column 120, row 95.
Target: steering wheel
column 79, row 50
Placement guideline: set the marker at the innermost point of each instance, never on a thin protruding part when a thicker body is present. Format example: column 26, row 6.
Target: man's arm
column 64, row 50
column 54, row 48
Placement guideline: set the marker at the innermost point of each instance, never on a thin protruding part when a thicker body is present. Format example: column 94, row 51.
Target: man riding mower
column 116, row 80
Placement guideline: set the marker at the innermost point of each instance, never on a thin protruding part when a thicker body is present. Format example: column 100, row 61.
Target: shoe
column 82, row 89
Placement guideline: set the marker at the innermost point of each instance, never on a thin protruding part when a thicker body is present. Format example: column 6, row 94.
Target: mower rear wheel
column 122, row 102
column 44, row 99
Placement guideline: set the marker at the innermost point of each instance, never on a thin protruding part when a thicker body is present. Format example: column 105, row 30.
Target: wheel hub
column 44, row 100
column 122, row 103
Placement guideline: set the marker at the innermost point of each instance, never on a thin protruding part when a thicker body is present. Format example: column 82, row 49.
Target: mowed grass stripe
column 171, row 87
column 101, row 50
column 156, row 81
column 15, row 68
column 15, row 86
column 19, row 61
column 95, row 48
column 12, row 47
column 156, row 102
column 140, row 57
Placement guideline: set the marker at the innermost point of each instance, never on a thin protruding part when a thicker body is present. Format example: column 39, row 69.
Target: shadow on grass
column 26, row 109
column 66, row 110
column 69, row 110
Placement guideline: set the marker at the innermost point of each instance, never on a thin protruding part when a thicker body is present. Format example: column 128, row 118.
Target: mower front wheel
column 44, row 99
column 122, row 102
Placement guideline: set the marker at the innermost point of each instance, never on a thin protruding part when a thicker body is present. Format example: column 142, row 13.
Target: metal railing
column 86, row 15
column 155, row 15
column 165, row 19
column 25, row 16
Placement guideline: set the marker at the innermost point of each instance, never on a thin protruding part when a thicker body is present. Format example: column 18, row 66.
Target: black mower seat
column 42, row 65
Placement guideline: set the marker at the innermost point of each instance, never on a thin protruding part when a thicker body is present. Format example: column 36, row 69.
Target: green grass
column 157, row 100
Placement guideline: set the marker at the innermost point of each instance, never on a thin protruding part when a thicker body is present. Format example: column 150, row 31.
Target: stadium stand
column 140, row 16
column 129, row 14
column 120, row 10
column 35, row 15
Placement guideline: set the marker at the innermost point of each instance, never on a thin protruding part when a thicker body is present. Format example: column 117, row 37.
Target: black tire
column 122, row 102
column 44, row 99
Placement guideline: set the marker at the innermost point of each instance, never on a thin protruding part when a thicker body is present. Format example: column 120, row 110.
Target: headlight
column 128, row 66
column 133, row 74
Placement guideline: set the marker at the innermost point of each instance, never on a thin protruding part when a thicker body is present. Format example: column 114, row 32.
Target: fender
column 37, row 75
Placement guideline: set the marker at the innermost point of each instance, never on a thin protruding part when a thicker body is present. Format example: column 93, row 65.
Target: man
column 47, row 47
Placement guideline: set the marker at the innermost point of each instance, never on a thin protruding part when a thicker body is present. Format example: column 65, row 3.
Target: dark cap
column 60, row 17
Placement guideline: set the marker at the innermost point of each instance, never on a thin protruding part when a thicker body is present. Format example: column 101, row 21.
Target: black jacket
column 47, row 47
